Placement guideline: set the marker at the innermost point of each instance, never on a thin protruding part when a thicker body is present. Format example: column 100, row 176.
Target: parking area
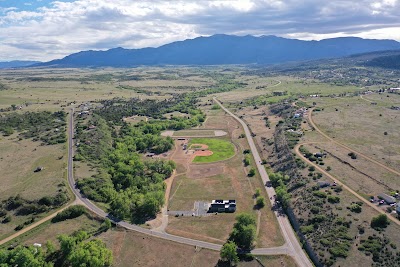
column 200, row 208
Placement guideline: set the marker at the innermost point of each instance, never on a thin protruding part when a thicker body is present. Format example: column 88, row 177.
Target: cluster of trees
column 75, row 250
column 44, row 126
column 133, row 187
column 241, row 238
column 22, row 207
column 278, row 181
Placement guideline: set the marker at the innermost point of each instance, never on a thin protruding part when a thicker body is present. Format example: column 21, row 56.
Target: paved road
column 261, row 251
column 293, row 246
column 312, row 123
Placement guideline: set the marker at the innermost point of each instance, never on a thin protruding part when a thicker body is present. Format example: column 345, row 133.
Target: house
column 319, row 155
column 150, row 155
column 394, row 90
column 388, row 199
column 220, row 205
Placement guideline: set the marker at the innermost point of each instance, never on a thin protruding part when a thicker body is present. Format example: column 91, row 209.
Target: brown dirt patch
column 202, row 153
column 198, row 146
column 202, row 171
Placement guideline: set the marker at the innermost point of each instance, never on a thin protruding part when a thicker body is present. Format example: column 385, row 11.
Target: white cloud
column 67, row 27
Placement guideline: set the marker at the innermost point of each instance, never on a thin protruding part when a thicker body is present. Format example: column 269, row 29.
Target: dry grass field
column 49, row 231
column 18, row 160
column 361, row 125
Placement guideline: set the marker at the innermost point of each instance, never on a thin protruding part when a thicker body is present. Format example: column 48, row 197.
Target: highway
column 294, row 248
column 80, row 199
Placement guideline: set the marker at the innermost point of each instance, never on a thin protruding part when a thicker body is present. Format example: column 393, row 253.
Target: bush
column 333, row 199
column 307, row 229
column 380, row 221
column 355, row 208
column 352, row 155
column 69, row 213
column 319, row 194
column 7, row 219
column 260, row 202
column 340, row 250
column 252, row 172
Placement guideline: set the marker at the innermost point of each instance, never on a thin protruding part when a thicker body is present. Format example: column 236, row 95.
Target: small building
column 150, row 155
column 319, row 155
column 220, row 205
column 388, row 199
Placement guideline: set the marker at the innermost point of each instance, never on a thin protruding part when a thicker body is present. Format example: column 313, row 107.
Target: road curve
column 302, row 157
column 312, row 123
column 294, row 248
column 187, row 241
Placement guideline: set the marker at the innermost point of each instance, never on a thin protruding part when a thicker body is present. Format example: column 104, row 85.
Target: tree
column 244, row 231
column 380, row 221
column 229, row 253
column 260, row 202
column 91, row 254
column 252, row 172
column 23, row 257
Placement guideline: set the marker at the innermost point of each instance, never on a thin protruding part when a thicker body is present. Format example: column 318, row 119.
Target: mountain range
column 16, row 64
column 223, row 49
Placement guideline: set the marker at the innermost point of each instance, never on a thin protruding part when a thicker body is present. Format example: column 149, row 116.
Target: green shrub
column 333, row 199
column 260, row 202
column 69, row 213
column 307, row 229
column 355, row 208
column 380, row 221
column 319, row 194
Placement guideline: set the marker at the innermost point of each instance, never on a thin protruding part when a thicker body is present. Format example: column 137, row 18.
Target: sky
column 46, row 29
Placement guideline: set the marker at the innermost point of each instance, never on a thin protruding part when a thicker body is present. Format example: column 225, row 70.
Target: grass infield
column 222, row 149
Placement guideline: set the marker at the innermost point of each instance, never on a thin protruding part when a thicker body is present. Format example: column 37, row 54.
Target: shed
column 388, row 199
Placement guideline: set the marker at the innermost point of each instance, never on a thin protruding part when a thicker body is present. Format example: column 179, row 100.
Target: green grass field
column 222, row 149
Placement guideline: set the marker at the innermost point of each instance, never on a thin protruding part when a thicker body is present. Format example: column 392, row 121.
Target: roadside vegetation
column 47, row 127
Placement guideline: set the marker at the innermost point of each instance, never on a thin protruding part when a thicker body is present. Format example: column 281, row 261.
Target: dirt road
column 312, row 123
column 292, row 245
column 298, row 153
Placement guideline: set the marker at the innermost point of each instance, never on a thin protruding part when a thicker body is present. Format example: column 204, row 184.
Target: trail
column 298, row 153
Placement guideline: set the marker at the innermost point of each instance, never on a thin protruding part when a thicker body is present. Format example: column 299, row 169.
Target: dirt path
column 33, row 225
column 346, row 147
column 298, row 153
